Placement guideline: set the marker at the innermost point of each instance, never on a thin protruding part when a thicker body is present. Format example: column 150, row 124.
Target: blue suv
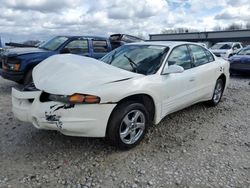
column 18, row 63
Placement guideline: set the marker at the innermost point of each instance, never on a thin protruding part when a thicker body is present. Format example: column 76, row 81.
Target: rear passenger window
column 209, row 55
column 79, row 46
column 100, row 46
column 199, row 55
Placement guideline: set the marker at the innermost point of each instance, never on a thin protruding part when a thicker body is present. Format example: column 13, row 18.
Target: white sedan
column 124, row 93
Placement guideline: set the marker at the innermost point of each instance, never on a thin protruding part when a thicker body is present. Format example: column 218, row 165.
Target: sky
column 21, row 20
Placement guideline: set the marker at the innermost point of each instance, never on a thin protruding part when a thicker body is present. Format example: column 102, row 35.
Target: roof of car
column 162, row 43
column 87, row 37
column 226, row 42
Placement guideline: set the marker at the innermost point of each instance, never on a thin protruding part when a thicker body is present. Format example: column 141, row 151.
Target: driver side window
column 180, row 56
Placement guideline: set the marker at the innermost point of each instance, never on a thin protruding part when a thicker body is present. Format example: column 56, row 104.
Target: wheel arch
column 142, row 98
column 224, row 79
column 30, row 66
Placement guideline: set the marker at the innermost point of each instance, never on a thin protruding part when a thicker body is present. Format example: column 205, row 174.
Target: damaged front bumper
column 89, row 120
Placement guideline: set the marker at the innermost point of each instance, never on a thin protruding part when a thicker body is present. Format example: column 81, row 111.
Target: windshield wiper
column 132, row 63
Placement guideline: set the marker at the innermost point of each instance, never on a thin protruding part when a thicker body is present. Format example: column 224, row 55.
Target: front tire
column 128, row 125
column 218, row 92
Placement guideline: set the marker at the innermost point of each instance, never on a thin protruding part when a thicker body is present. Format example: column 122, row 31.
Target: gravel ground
column 196, row 147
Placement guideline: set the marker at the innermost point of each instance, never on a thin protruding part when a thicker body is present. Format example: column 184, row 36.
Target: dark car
column 240, row 63
column 120, row 39
column 17, row 63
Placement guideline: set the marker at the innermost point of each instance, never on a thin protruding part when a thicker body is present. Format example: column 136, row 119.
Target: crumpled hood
column 22, row 51
column 68, row 74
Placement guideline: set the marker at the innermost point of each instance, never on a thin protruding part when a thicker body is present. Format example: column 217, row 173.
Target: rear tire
column 218, row 92
column 128, row 125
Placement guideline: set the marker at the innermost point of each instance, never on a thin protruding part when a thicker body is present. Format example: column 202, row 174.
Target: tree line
column 231, row 27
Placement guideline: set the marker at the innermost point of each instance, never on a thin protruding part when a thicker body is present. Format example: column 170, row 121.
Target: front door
column 178, row 88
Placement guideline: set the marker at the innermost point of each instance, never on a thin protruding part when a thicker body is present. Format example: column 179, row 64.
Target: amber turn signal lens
column 79, row 98
column 16, row 67
column 92, row 99
column 76, row 98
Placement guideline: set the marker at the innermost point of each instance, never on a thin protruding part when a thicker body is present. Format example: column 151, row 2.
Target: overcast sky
column 39, row 19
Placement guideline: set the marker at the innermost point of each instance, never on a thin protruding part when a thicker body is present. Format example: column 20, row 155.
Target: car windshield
column 142, row 59
column 245, row 51
column 222, row 46
column 53, row 43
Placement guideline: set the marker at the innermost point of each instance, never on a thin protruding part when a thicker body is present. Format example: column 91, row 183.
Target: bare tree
column 234, row 26
column 248, row 25
column 141, row 36
column 217, row 28
column 167, row 31
column 178, row 30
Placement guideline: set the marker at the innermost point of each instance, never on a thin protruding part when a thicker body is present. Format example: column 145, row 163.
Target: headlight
column 13, row 67
column 11, row 63
column 75, row 98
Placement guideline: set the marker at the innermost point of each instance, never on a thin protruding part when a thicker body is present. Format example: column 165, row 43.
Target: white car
column 139, row 84
column 226, row 49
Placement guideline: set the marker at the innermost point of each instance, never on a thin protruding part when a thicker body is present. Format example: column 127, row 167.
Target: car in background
column 240, row 63
column 134, row 86
column 226, row 49
column 18, row 63
column 121, row 39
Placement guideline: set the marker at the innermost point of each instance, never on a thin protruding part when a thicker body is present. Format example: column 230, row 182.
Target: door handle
column 192, row 79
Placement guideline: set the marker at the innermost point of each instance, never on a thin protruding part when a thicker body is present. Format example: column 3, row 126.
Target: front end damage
column 88, row 120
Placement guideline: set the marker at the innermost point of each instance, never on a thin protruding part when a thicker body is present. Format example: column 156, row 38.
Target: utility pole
column 0, row 42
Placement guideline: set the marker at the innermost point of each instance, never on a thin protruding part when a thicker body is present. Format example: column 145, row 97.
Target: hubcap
column 217, row 92
column 132, row 127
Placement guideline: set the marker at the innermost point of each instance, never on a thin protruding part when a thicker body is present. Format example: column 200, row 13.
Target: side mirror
column 173, row 69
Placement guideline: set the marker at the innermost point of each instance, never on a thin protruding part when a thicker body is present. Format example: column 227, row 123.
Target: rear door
column 77, row 46
column 206, row 71
column 99, row 48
